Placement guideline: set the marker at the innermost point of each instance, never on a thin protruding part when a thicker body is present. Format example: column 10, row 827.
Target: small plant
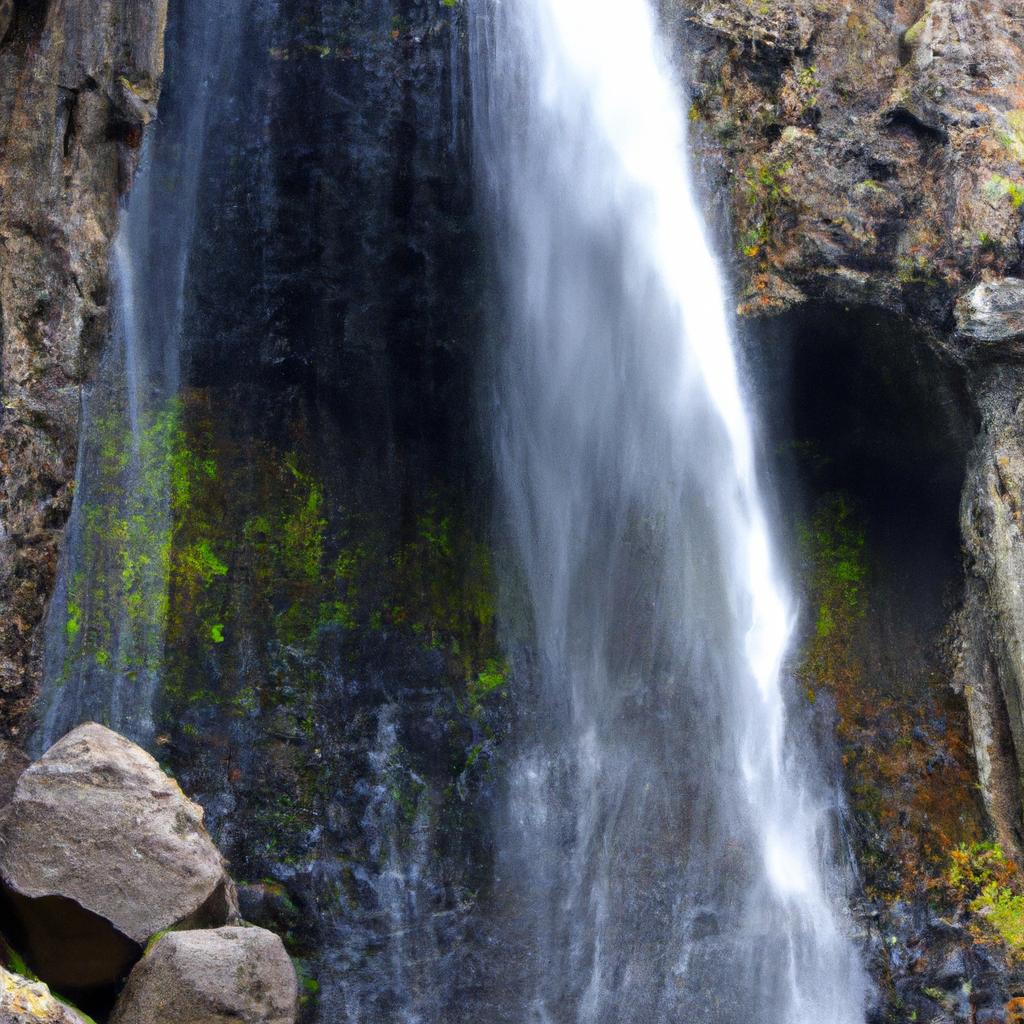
column 999, row 186
column 981, row 876
column 766, row 189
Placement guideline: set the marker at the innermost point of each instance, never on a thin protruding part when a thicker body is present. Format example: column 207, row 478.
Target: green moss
column 999, row 186
column 491, row 678
column 154, row 939
column 765, row 190
column 309, row 987
column 914, row 268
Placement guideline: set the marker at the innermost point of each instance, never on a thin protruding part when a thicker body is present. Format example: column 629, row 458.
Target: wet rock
column 268, row 905
column 204, row 977
column 993, row 311
column 30, row 1002
column 12, row 763
column 65, row 164
column 991, row 671
column 99, row 850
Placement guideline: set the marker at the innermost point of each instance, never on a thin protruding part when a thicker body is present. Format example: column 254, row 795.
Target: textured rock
column 207, row 977
column 993, row 643
column 872, row 154
column 30, row 1002
column 99, row 850
column 993, row 312
column 12, row 763
column 77, row 80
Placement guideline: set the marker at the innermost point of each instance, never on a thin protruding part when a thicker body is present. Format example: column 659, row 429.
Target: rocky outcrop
column 204, row 977
column 12, row 763
column 873, row 160
column 77, row 82
column 100, row 850
column 30, row 1002
column 993, row 622
column 872, row 154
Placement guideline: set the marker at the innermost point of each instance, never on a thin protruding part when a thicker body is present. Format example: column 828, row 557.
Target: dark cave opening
column 857, row 403
column 867, row 429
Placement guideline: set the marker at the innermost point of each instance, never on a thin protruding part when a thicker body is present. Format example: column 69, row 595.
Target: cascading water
column 662, row 850
column 107, row 623
column 666, row 849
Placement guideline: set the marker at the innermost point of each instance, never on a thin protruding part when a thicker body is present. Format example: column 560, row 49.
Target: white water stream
column 668, row 835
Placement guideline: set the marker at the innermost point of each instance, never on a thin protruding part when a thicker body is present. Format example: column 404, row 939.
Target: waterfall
column 106, row 626
column 668, row 842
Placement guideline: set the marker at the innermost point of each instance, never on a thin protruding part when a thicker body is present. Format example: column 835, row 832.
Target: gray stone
column 99, row 850
column 207, row 977
column 993, row 311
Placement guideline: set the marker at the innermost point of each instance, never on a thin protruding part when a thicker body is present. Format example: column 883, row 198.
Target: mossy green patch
column 981, row 876
column 999, row 186
column 765, row 190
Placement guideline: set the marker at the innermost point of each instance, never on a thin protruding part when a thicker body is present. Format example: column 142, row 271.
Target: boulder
column 99, row 850
column 992, row 312
column 206, row 977
column 30, row 1002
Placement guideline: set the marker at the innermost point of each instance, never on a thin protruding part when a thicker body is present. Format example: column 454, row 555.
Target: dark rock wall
column 333, row 684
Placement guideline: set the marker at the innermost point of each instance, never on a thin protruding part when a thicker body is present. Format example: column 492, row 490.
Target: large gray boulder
column 30, row 1002
column 99, row 850
column 208, row 977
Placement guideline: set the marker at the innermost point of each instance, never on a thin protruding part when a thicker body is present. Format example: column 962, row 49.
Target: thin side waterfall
column 668, row 843
column 107, row 622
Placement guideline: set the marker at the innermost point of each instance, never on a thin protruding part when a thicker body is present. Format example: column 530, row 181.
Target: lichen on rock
column 23, row 1001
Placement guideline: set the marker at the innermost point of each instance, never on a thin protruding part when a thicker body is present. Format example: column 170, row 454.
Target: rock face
column 872, row 154
column 205, row 977
column 30, row 1002
column 99, row 850
column 993, row 532
column 77, row 82
column 872, row 160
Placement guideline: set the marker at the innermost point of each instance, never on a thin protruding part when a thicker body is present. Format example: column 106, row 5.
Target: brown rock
column 12, row 763
column 67, row 138
column 30, row 1002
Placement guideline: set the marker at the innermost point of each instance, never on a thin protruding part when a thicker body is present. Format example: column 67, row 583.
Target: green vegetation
column 1012, row 138
column 981, row 876
column 16, row 963
column 833, row 544
column 914, row 268
column 888, row 729
column 491, row 679
column 765, row 191
column 153, row 940
column 999, row 186
column 309, row 987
